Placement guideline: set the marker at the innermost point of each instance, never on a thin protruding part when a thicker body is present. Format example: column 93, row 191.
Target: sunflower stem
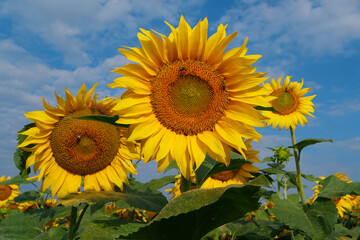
column 185, row 184
column 73, row 217
column 80, row 217
column 300, row 186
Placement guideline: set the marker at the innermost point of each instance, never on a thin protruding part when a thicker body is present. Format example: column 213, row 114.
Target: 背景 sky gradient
column 48, row 45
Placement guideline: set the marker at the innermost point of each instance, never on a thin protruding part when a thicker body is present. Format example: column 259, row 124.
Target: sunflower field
column 192, row 106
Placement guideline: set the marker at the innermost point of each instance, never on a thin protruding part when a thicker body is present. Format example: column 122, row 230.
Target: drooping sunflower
column 187, row 97
column 8, row 192
column 237, row 176
column 344, row 203
column 290, row 104
column 68, row 149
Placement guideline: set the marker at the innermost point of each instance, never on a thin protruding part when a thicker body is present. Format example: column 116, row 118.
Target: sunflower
column 237, row 176
column 344, row 203
column 187, row 97
column 69, row 150
column 7, row 192
column 138, row 216
column 290, row 103
column 176, row 190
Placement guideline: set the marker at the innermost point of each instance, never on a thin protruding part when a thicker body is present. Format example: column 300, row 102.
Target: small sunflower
column 187, row 97
column 237, row 176
column 69, row 150
column 7, row 192
column 344, row 203
column 137, row 216
column 176, row 190
column 290, row 104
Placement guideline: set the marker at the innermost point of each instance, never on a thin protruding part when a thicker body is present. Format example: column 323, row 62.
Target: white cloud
column 349, row 144
column 78, row 28
column 344, row 107
column 308, row 27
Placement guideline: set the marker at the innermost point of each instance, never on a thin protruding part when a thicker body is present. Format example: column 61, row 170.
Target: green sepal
column 260, row 108
column 102, row 118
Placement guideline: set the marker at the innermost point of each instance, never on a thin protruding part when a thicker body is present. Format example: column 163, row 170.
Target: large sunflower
column 290, row 104
column 237, row 176
column 188, row 97
column 68, row 149
column 8, row 192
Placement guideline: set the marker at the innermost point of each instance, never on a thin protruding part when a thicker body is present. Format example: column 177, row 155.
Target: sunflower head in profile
column 68, row 150
column 344, row 203
column 187, row 97
column 7, row 192
column 290, row 104
column 240, row 175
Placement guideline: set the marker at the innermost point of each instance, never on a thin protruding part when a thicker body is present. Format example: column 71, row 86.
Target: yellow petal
column 209, row 139
column 41, row 116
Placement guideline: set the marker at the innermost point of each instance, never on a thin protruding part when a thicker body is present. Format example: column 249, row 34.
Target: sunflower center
column 286, row 101
column 84, row 147
column 188, row 97
column 5, row 192
column 225, row 176
column 186, row 92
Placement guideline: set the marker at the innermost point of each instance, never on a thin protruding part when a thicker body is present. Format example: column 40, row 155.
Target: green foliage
column 31, row 224
column 27, row 196
column 17, row 180
column 258, row 229
column 317, row 222
column 146, row 201
column 332, row 187
column 103, row 118
column 196, row 212
column 307, row 142
column 20, row 155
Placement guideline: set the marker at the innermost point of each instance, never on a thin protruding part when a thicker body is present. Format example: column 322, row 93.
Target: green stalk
column 300, row 186
column 74, row 224
column 73, row 217
column 278, row 185
column 185, row 184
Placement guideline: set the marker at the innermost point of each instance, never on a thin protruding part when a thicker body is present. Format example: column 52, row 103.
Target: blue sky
column 56, row 44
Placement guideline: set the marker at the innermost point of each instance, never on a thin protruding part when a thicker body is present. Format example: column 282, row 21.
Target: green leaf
column 260, row 108
column 211, row 167
column 102, row 118
column 293, row 197
column 310, row 177
column 156, row 184
column 332, row 187
column 196, row 212
column 343, row 231
column 27, row 196
column 268, row 159
column 307, row 142
column 258, row 229
column 172, row 165
column 20, row 155
column 31, row 224
column 146, row 201
column 17, row 180
column 317, row 222
column 273, row 171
